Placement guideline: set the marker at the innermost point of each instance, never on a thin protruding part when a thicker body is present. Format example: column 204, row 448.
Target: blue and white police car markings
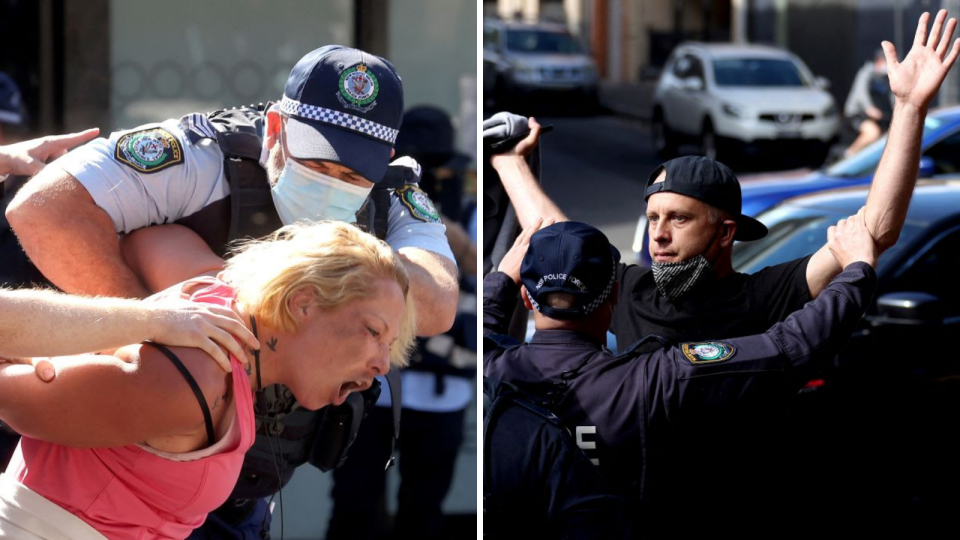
column 707, row 352
column 149, row 150
column 419, row 204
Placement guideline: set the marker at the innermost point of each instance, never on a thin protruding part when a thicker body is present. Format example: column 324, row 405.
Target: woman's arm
column 108, row 401
column 43, row 323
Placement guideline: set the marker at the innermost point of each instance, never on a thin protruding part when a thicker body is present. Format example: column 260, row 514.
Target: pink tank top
column 130, row 492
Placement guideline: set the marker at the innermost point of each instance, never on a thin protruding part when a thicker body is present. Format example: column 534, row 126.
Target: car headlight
column 830, row 111
column 733, row 110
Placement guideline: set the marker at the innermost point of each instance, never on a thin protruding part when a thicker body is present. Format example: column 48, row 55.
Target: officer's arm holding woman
column 78, row 249
column 914, row 82
column 41, row 323
column 312, row 166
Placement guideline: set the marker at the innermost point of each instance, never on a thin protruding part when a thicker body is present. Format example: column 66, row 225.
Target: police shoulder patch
column 419, row 204
column 707, row 352
column 149, row 150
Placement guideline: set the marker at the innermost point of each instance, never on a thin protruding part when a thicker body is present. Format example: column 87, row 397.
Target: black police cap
column 709, row 181
column 573, row 258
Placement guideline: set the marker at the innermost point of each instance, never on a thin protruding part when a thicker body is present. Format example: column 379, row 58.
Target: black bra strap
column 207, row 419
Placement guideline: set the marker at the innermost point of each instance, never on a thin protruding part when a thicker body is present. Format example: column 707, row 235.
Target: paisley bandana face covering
column 676, row 279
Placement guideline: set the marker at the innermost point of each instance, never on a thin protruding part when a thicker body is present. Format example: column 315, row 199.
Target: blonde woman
column 145, row 442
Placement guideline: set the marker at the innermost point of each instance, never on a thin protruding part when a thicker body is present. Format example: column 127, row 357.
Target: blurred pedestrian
column 869, row 106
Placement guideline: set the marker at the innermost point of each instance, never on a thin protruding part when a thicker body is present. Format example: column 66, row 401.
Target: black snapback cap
column 709, row 181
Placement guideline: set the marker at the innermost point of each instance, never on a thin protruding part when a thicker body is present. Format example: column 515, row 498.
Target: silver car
column 522, row 60
column 729, row 98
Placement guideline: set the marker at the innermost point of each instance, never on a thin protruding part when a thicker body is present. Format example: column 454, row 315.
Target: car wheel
column 709, row 142
column 661, row 137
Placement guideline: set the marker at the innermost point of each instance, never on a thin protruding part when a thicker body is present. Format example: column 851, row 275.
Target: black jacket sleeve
column 499, row 300
column 724, row 372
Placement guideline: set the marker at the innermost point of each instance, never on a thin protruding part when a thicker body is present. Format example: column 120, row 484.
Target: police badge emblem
column 358, row 88
column 149, row 150
column 708, row 352
column 419, row 204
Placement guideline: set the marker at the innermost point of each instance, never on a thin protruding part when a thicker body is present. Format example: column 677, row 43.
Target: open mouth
column 346, row 388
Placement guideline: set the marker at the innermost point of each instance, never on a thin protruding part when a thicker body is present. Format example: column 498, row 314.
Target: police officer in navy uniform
column 536, row 482
column 631, row 413
column 322, row 152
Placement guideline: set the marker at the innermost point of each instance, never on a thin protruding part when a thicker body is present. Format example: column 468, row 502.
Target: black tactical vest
column 285, row 431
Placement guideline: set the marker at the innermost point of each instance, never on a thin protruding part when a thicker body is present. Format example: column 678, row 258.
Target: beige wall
column 179, row 56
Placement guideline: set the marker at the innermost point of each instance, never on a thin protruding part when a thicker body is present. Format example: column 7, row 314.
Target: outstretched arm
column 525, row 193
column 30, row 157
column 914, row 82
column 43, row 323
column 807, row 337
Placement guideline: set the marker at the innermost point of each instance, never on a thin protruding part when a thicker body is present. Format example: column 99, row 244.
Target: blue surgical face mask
column 303, row 193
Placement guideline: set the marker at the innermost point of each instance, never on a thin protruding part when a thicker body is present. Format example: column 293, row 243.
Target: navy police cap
column 709, row 181
column 345, row 106
column 569, row 257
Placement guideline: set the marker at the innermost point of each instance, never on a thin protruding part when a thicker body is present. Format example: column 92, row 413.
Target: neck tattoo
column 272, row 344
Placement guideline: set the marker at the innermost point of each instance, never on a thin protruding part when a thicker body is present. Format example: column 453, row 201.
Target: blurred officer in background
column 438, row 384
column 634, row 413
column 322, row 152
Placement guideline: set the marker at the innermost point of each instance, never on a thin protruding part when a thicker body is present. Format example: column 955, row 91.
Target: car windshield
column 797, row 231
column 540, row 41
column 864, row 162
column 757, row 72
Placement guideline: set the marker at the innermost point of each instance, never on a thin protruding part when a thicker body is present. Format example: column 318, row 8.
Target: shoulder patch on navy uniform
column 419, row 204
column 149, row 150
column 708, row 352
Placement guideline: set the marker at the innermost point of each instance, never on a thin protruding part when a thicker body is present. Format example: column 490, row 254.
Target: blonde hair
column 338, row 261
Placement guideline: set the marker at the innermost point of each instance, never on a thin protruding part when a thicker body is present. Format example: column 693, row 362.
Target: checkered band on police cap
column 339, row 118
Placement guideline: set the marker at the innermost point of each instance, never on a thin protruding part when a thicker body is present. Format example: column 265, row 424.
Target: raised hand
column 917, row 79
column 511, row 262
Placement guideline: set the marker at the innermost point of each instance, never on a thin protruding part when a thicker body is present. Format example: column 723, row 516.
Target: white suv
column 741, row 97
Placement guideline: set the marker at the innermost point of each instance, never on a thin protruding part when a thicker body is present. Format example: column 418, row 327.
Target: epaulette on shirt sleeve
column 634, row 348
column 197, row 126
